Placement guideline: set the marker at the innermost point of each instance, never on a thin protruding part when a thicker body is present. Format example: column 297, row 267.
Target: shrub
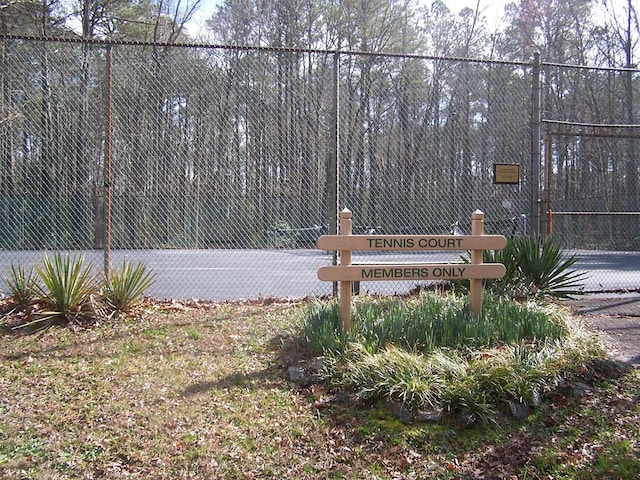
column 544, row 270
column 66, row 285
column 21, row 285
column 534, row 269
column 431, row 353
column 124, row 286
column 65, row 290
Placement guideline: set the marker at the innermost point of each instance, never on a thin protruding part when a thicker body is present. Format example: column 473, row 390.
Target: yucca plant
column 533, row 269
column 67, row 284
column 544, row 269
column 21, row 285
column 124, row 286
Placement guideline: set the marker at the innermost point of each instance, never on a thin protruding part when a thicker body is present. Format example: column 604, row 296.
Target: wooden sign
column 346, row 273
column 411, row 242
column 427, row 271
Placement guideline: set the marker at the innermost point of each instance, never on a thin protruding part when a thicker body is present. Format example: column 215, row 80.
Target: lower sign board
column 425, row 271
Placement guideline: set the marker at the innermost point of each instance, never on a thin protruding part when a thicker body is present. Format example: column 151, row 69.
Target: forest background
column 229, row 138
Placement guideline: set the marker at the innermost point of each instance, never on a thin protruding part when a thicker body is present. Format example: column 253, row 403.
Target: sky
column 492, row 9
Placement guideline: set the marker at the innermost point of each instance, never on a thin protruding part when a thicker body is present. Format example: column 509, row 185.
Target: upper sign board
column 411, row 242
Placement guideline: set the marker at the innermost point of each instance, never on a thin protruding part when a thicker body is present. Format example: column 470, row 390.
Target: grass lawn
column 201, row 391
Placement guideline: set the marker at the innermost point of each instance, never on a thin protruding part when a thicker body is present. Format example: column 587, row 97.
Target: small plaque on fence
column 506, row 174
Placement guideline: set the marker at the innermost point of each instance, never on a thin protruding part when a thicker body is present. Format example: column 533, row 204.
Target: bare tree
column 626, row 30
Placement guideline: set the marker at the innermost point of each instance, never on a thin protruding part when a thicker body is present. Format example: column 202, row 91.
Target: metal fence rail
column 154, row 149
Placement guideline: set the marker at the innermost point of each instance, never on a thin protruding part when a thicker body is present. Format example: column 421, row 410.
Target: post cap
column 478, row 214
column 346, row 214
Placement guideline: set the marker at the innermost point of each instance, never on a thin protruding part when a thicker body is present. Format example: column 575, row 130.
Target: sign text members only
column 428, row 271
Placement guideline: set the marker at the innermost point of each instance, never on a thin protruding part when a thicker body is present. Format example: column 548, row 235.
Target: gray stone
column 296, row 373
column 536, row 399
column 519, row 410
column 317, row 364
column 611, row 368
column 306, row 374
column 408, row 416
column 467, row 419
column 581, row 389
column 400, row 411
column 429, row 416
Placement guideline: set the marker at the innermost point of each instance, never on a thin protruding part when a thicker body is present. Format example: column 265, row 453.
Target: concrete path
column 617, row 321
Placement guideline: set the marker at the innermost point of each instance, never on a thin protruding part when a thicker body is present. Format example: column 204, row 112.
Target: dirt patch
column 616, row 320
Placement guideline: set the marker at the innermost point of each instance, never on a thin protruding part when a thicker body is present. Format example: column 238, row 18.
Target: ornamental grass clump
column 323, row 330
column 430, row 321
column 396, row 373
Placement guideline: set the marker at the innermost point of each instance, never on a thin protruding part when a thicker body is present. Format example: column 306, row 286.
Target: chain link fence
column 220, row 167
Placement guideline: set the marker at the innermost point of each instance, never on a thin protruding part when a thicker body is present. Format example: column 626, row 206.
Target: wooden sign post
column 346, row 273
column 346, row 229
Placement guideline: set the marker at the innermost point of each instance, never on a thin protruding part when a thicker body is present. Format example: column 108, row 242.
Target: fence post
column 536, row 115
column 107, row 164
column 333, row 167
column 345, row 260
column 477, row 228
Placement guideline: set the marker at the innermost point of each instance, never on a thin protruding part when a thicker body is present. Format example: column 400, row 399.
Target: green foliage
column 428, row 322
column 474, row 381
column 431, row 353
column 66, row 290
column 509, row 284
column 67, row 284
column 21, row 285
column 323, row 328
column 534, row 269
column 544, row 269
column 124, row 286
column 395, row 373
